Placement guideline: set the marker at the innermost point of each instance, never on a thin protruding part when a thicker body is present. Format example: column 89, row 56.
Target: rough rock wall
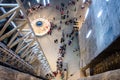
column 9, row 74
column 104, row 22
column 110, row 75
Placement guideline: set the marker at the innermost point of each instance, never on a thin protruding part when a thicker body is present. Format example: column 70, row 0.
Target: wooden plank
column 13, row 38
column 22, row 42
column 8, row 5
column 24, row 47
column 12, row 31
column 9, row 12
column 8, row 23
column 24, row 53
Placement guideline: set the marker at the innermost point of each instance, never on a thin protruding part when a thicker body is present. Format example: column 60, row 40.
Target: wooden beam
column 13, row 38
column 24, row 53
column 4, row 11
column 28, row 40
column 9, row 12
column 22, row 42
column 27, row 56
column 32, row 59
column 12, row 31
column 19, row 19
column 8, row 23
column 23, row 48
column 28, row 53
column 35, row 45
column 17, row 41
column 8, row 5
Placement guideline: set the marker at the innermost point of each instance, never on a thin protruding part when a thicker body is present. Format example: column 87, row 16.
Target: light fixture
column 107, row 0
column 88, row 34
column 100, row 13
column 38, row 1
column 44, row 2
column 86, row 13
column 83, row 1
column 48, row 1
column 29, row 4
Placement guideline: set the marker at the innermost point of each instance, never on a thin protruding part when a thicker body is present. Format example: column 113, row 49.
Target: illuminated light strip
column 90, row 31
column 29, row 4
column 100, row 13
column 38, row 1
column 83, row 1
column 48, row 1
column 87, row 13
column 44, row 2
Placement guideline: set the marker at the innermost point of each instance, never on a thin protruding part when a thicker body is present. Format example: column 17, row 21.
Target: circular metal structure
column 40, row 26
column 39, row 23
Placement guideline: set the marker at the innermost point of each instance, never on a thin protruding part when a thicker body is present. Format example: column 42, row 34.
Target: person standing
column 63, row 34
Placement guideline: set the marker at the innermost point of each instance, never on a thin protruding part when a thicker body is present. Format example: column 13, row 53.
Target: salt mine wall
column 10, row 74
column 100, row 28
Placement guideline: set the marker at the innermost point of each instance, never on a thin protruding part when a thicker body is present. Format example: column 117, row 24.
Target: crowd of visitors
column 67, row 38
column 36, row 8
